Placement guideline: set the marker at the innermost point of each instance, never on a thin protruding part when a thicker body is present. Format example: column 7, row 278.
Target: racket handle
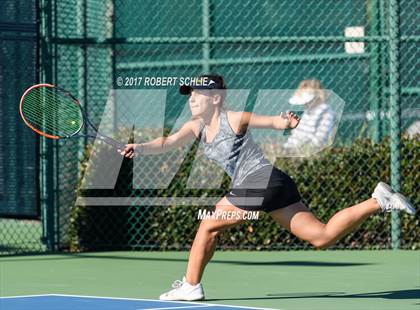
column 111, row 141
column 107, row 140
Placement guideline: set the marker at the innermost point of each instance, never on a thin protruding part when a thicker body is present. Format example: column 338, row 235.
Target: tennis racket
column 56, row 114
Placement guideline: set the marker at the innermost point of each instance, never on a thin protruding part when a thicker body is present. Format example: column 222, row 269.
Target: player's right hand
column 129, row 150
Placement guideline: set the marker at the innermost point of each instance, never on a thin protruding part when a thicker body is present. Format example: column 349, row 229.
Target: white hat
column 302, row 97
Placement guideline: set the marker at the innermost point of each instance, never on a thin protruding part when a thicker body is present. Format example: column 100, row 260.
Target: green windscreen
column 18, row 145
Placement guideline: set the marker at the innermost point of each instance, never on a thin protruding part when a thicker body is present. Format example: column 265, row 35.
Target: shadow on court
column 395, row 295
column 215, row 261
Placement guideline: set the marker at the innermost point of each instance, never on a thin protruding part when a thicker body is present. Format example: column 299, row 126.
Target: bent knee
column 208, row 227
column 212, row 235
column 322, row 243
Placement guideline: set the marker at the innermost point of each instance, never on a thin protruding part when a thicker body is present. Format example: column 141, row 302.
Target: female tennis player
column 227, row 141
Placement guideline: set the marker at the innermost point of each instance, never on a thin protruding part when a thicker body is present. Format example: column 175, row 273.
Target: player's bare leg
column 204, row 243
column 201, row 252
column 301, row 222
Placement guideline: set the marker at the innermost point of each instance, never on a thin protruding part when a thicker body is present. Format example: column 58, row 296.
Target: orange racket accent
column 23, row 116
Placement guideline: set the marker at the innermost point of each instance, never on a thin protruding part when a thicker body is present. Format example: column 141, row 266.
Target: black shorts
column 266, row 189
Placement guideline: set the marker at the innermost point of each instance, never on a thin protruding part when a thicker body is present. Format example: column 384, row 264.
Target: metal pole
column 46, row 146
column 85, row 69
column 114, row 64
column 375, row 72
column 56, row 166
column 206, row 35
column 384, row 121
column 395, row 109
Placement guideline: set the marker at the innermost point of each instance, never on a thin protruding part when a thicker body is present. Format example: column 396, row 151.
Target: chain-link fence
column 365, row 51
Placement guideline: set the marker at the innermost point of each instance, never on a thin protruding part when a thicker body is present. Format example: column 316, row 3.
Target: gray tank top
column 238, row 155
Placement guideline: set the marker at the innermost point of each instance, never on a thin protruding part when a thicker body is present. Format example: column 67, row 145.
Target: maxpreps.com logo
column 227, row 215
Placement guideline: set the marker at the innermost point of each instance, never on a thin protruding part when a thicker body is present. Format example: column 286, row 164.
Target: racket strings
column 44, row 114
column 50, row 121
column 52, row 112
column 55, row 99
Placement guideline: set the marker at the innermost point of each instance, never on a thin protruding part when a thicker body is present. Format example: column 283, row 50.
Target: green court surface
column 281, row 280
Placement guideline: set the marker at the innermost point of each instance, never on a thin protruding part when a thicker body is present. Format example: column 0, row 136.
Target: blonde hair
column 314, row 85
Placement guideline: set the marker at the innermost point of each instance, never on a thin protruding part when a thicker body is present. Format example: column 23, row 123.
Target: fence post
column 47, row 147
column 375, row 72
column 206, row 35
column 395, row 111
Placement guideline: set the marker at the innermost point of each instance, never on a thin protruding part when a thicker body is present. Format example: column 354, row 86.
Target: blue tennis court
column 69, row 302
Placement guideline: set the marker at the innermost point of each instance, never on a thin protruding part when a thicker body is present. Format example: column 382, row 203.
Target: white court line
column 182, row 307
column 142, row 299
column 27, row 296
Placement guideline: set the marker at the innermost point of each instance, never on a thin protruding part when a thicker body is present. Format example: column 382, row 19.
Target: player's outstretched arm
column 243, row 120
column 188, row 132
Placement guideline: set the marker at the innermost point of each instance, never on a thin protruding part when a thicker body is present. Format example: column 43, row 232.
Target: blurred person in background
column 317, row 122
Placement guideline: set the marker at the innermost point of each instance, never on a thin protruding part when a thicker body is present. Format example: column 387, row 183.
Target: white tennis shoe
column 389, row 200
column 184, row 291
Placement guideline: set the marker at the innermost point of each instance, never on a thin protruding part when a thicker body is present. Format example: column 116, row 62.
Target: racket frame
column 84, row 120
